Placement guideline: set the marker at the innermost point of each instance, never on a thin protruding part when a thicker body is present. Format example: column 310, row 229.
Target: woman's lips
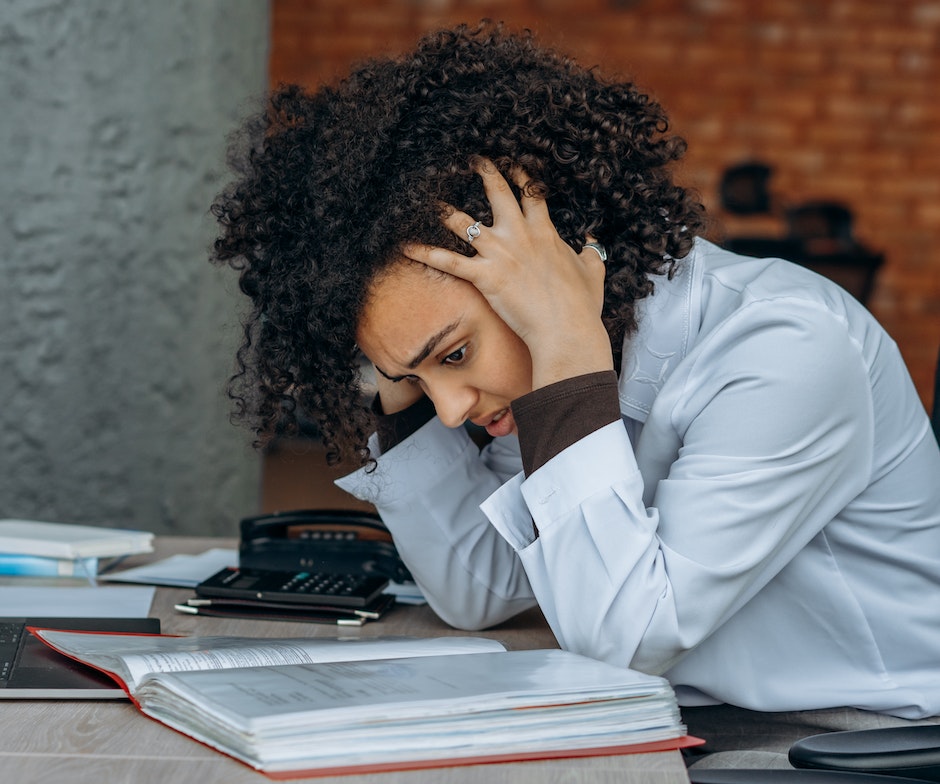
column 502, row 424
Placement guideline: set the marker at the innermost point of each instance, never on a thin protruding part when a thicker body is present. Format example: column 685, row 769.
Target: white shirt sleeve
column 428, row 490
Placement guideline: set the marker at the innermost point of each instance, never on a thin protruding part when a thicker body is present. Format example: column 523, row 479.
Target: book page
column 320, row 695
column 413, row 709
column 132, row 657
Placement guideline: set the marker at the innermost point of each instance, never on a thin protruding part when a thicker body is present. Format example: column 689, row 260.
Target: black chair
column 911, row 752
column 743, row 188
column 765, row 247
column 819, row 234
column 890, row 755
column 824, row 231
column 783, row 776
column 827, row 223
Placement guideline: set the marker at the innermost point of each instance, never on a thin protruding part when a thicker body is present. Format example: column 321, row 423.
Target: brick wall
column 839, row 96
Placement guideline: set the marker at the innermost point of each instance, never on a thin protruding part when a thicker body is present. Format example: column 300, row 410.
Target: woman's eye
column 455, row 357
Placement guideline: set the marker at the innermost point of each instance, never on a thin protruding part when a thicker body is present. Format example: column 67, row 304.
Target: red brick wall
column 841, row 97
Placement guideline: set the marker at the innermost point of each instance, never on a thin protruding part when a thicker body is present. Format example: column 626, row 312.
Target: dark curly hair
column 330, row 184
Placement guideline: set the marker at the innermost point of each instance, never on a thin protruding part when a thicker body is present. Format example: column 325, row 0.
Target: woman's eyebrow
column 424, row 353
column 396, row 379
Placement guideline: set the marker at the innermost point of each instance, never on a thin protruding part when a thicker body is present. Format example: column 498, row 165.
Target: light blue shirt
column 763, row 528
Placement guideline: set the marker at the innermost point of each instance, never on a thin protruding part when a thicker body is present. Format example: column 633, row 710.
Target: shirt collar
column 667, row 320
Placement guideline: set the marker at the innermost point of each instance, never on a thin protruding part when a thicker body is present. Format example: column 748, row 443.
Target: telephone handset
column 338, row 541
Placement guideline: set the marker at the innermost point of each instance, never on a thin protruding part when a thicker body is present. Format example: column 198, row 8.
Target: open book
column 315, row 706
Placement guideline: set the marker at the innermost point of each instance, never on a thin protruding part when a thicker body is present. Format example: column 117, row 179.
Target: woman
column 702, row 465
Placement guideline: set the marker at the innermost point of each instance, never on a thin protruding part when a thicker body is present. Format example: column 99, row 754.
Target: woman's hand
column 395, row 396
column 549, row 295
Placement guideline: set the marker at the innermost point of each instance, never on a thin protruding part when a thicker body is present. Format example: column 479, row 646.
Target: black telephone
column 338, row 541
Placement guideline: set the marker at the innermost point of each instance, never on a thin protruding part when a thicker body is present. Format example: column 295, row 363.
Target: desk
column 98, row 742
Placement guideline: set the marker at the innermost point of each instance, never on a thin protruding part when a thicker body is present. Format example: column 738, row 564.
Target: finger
column 448, row 261
column 533, row 204
column 463, row 225
column 498, row 191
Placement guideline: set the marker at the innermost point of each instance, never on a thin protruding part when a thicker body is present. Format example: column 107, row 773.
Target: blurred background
column 812, row 131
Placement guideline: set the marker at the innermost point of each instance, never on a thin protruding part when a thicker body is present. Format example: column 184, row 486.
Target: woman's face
column 423, row 327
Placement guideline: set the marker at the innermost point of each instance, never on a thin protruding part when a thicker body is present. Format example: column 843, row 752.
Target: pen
column 209, row 608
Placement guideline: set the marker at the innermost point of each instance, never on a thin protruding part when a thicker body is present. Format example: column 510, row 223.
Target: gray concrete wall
column 116, row 334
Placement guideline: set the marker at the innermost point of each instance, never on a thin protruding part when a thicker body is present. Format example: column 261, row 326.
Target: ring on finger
column 595, row 246
column 473, row 231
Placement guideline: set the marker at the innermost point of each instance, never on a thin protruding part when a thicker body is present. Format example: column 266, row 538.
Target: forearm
column 428, row 490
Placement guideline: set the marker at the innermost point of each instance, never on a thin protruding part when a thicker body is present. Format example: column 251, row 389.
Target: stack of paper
column 349, row 712
column 30, row 547
column 178, row 571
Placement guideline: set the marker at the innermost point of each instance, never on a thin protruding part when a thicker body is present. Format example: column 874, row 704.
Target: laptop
column 30, row 669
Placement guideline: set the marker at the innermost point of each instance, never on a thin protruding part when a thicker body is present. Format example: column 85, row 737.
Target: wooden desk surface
column 110, row 742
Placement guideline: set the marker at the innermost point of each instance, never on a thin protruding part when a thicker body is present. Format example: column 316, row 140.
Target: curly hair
column 330, row 184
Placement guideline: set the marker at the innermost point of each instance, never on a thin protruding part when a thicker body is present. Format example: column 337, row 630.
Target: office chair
column 819, row 235
column 743, row 188
column 828, row 224
column 889, row 755
column 783, row 776
column 912, row 752
column 824, row 231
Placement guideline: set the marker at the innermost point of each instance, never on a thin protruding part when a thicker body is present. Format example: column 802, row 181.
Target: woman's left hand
column 548, row 295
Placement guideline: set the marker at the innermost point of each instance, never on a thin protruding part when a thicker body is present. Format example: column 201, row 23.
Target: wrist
column 571, row 358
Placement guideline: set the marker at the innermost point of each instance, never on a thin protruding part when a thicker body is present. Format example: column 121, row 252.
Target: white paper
column 406, row 593
column 75, row 602
column 298, row 717
column 323, row 695
column 178, row 571
column 135, row 656
column 64, row 540
column 363, row 711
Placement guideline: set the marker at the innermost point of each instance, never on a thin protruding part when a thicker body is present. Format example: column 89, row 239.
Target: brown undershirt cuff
column 552, row 418
column 392, row 429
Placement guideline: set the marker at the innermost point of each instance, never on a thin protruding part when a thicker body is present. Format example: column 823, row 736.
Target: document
column 385, row 704
column 177, row 571
column 63, row 540
column 132, row 658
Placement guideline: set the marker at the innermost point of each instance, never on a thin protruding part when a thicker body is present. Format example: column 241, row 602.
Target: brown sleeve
column 392, row 429
column 553, row 418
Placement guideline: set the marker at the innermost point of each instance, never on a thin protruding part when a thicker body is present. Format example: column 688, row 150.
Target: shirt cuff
column 392, row 429
column 552, row 418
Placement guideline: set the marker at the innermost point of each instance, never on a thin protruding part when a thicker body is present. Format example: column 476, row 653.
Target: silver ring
column 595, row 246
column 473, row 231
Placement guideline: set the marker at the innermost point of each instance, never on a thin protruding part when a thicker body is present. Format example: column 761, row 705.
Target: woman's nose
column 453, row 402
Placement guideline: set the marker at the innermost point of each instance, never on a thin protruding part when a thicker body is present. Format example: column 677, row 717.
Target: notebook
column 31, row 670
column 64, row 540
